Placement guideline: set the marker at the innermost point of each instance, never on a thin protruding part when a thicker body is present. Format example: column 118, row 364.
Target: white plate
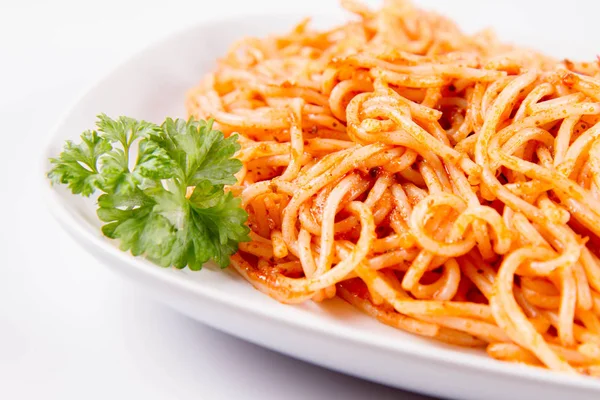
column 152, row 85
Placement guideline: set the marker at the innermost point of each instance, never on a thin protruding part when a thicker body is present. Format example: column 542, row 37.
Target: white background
column 68, row 328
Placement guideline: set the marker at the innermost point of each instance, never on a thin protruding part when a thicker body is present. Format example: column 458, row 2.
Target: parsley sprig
column 144, row 172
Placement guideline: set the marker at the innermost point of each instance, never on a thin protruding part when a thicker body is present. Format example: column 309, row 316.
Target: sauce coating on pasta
column 446, row 184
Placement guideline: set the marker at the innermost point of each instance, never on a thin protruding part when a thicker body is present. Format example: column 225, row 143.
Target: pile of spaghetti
column 446, row 184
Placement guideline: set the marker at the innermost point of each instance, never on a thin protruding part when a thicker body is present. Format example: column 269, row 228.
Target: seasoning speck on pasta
column 444, row 183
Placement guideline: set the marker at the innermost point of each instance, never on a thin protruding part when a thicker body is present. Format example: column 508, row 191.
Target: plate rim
column 80, row 233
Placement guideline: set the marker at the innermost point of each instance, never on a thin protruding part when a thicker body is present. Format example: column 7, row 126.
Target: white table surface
column 69, row 329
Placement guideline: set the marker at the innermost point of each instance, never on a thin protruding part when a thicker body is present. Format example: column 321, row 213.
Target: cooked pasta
column 446, row 184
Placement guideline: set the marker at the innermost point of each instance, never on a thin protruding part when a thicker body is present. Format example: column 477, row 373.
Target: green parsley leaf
column 124, row 130
column 77, row 166
column 202, row 153
column 224, row 219
column 144, row 204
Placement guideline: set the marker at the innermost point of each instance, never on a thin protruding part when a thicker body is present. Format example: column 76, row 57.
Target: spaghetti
column 446, row 184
